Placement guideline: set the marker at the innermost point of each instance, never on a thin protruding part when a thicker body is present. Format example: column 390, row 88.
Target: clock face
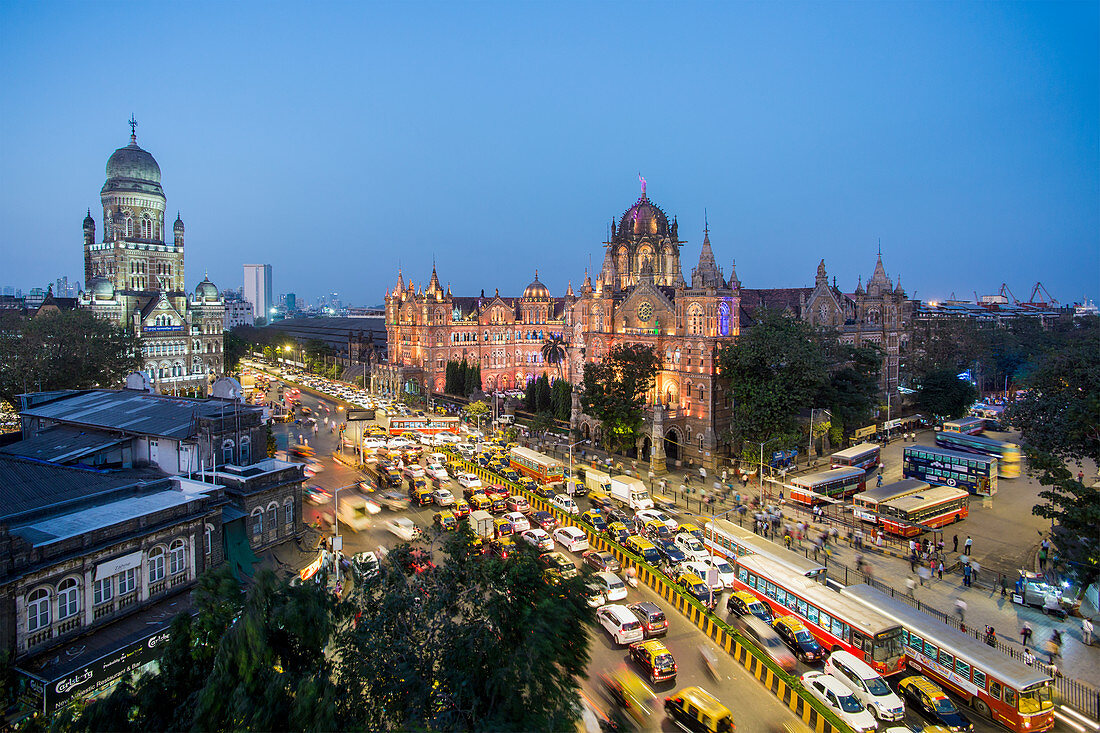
column 645, row 311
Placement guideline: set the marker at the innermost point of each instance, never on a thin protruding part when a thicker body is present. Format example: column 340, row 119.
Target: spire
column 859, row 285
column 822, row 277
column 734, row 282
column 433, row 284
column 879, row 275
column 706, row 273
column 133, row 130
column 586, row 286
column 400, row 280
column 569, row 291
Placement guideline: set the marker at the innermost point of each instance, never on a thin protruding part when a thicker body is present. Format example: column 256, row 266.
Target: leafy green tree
column 614, row 391
column 475, row 644
column 774, row 371
column 852, row 387
column 943, row 395
column 561, row 399
column 472, row 378
column 542, row 423
column 235, row 348
column 1075, row 507
column 64, row 350
column 540, row 390
column 272, row 443
column 553, row 352
column 269, row 353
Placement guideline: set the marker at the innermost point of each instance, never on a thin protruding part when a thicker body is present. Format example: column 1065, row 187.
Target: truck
column 481, row 522
column 355, row 511
column 597, row 480
column 630, row 491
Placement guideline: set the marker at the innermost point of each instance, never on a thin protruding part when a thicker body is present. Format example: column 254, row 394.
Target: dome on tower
column 536, row 289
column 89, row 222
column 644, row 217
column 133, row 169
column 101, row 288
column 207, row 291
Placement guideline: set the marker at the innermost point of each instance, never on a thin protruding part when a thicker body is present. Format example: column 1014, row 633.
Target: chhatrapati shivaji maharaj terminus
column 135, row 278
column 640, row 295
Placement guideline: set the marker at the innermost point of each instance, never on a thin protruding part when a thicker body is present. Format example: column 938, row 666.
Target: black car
column 670, row 553
column 654, row 622
column 600, row 561
column 545, row 492
column 618, row 515
column 544, row 520
column 933, row 704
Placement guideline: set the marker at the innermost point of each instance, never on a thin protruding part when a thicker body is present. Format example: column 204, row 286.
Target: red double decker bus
column 835, row 621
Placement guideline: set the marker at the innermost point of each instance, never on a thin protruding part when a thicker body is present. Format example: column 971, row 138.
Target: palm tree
column 553, row 352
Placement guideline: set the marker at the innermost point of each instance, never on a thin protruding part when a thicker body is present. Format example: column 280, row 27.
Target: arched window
column 288, row 512
column 146, row 227
column 129, row 226
column 724, row 319
column 246, row 452
column 207, row 539
column 68, row 598
column 227, row 452
column 695, row 319
column 177, row 557
column 257, row 521
column 156, row 564
column 38, row 610
column 700, row 393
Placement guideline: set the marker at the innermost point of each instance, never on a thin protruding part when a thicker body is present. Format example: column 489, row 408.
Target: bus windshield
column 888, row 646
column 1035, row 700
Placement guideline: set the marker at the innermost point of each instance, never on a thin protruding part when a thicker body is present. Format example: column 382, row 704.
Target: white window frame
column 177, row 557
column 38, row 609
column 103, row 591
column 156, row 564
column 68, row 598
column 127, row 581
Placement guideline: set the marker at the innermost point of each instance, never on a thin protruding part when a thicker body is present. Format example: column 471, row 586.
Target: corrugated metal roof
column 63, row 444
column 27, row 484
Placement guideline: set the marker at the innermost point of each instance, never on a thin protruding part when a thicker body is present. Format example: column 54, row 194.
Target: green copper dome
column 133, row 169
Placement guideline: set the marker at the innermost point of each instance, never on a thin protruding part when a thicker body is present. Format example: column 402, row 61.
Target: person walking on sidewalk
column 1029, row 658
column 966, row 575
column 956, row 541
column 1086, row 631
column 910, row 585
column 967, row 545
column 960, row 611
column 1025, row 634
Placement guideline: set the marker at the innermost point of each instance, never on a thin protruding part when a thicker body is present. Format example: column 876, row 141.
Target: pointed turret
column 859, row 285
column 89, row 228
column 433, row 285
column 879, row 275
column 734, row 283
column 586, row 286
column 400, row 281
column 177, row 230
column 822, row 278
column 569, row 291
column 705, row 274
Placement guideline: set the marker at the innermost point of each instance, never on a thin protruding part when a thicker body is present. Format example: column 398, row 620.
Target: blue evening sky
column 337, row 141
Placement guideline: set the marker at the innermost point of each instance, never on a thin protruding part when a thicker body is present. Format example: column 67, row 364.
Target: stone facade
column 135, row 277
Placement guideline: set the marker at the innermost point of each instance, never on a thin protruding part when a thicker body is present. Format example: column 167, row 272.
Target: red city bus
column 429, row 424
column 866, row 505
column 1013, row 694
column 864, row 455
column 725, row 538
column 910, row 516
column 541, row 467
column 839, row 483
column 836, row 622
column 965, row 425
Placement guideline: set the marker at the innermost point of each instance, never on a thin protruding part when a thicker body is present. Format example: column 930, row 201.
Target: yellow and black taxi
column 502, row 527
column 694, row 586
column 557, row 566
column 462, row 509
column 644, row 548
column 497, row 504
column 933, row 703
column 618, row 532
column 743, row 603
column 420, row 493
column 655, row 660
column 696, row 710
column 478, row 501
column 509, row 474
column 691, row 529
column 657, row 530
column 502, row 547
column 796, row 636
column 446, row 521
column 528, row 483
column 596, row 519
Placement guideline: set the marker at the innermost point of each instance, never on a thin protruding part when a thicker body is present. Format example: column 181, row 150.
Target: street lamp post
column 569, row 488
column 761, row 467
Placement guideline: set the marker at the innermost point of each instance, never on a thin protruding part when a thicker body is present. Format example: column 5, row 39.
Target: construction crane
column 1034, row 302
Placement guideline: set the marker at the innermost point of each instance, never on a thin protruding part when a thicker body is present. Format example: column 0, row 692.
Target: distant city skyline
column 497, row 138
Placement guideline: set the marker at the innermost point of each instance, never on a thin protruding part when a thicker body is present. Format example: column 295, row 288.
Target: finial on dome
column 89, row 211
column 642, row 180
column 536, row 273
column 133, row 129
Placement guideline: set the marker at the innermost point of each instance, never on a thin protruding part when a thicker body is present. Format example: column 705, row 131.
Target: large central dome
column 133, row 169
column 644, row 217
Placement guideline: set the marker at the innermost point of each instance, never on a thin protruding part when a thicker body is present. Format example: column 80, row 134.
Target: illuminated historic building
column 135, row 277
column 639, row 296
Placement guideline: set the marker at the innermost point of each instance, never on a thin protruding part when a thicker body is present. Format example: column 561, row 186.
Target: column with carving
column 657, row 454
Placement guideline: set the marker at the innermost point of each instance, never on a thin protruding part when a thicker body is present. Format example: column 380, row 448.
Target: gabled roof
column 135, row 412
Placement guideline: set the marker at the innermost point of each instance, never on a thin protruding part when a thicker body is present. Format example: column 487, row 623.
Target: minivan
column 868, row 685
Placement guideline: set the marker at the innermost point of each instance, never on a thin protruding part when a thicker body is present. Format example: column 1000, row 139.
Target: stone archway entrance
column 647, row 448
column 673, row 440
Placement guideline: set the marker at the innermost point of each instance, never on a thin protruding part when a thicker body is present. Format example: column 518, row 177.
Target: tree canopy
column 943, row 395
column 614, row 390
column 851, row 390
column 64, row 350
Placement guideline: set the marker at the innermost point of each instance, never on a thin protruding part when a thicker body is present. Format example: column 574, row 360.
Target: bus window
column 962, row 669
column 916, row 643
column 1010, row 699
column 752, row 581
column 995, row 689
column 801, row 608
column 743, row 575
column 811, row 614
column 930, row 650
column 826, row 622
column 979, row 678
column 947, row 661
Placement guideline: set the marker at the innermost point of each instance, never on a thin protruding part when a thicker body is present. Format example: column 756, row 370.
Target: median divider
column 784, row 686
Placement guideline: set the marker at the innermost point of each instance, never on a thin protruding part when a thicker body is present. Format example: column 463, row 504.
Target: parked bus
column 832, row 485
column 1013, row 694
column 864, row 455
column 835, row 621
column 1007, row 454
column 865, row 505
column 910, row 516
column 430, row 424
column 542, row 468
column 732, row 542
column 938, row 466
column 965, row 425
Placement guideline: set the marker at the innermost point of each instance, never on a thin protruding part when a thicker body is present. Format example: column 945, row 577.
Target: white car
column 621, row 623
column 837, row 696
column 443, row 497
column 866, row 684
column 403, row 527
column 567, row 505
column 594, row 593
column 656, row 515
column 437, row 471
column 468, row 481
column 538, row 538
column 691, row 547
column 571, row 538
column 425, row 439
column 726, row 573
column 400, row 443
column 413, row 470
column 519, row 521
column 700, row 569
column 613, row 587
